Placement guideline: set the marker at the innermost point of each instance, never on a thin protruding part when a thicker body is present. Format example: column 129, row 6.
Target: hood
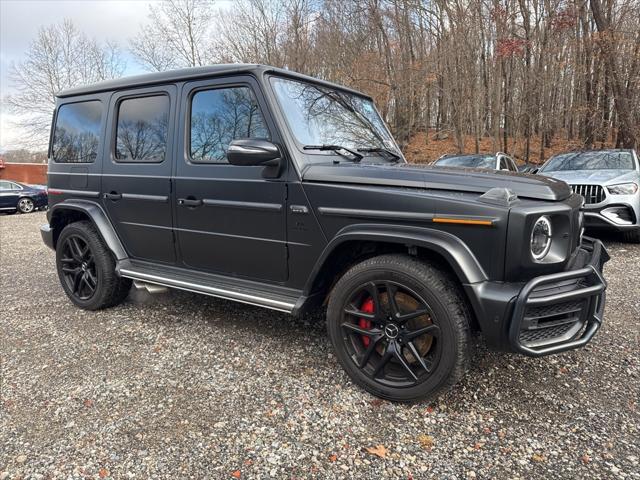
column 600, row 177
column 439, row 178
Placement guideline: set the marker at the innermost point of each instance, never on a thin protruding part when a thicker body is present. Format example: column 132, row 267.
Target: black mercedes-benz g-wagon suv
column 267, row 187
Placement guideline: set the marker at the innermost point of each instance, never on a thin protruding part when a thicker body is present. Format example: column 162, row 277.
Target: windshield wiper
column 340, row 150
column 389, row 152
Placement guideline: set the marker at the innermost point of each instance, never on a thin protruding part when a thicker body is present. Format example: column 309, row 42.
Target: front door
column 229, row 219
column 136, row 175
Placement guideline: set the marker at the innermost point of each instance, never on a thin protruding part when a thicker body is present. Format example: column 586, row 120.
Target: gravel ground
column 184, row 386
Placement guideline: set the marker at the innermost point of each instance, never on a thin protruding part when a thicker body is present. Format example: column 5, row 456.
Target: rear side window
column 77, row 132
column 141, row 132
column 220, row 116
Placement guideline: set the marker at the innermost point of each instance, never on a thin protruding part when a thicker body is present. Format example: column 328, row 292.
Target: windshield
column 319, row 115
column 476, row 161
column 590, row 161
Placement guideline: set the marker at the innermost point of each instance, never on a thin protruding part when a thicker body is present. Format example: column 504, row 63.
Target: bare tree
column 178, row 35
column 60, row 57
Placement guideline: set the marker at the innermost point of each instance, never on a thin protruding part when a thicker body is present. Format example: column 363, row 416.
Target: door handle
column 189, row 202
column 113, row 196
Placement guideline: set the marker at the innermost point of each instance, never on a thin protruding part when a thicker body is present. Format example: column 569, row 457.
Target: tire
column 632, row 236
column 439, row 311
column 86, row 268
column 25, row 205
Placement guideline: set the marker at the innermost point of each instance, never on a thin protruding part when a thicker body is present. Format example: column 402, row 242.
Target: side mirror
column 254, row 152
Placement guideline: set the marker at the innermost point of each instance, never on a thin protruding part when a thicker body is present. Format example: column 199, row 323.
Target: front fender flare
column 451, row 248
column 100, row 220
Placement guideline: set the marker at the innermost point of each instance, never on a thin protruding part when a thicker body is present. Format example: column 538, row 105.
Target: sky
column 116, row 20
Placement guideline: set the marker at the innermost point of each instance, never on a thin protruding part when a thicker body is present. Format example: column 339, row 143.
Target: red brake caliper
column 367, row 307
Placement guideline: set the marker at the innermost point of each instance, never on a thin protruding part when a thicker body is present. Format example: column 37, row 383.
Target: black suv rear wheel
column 399, row 327
column 86, row 268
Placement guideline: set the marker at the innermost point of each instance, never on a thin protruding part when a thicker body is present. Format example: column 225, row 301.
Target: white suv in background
column 609, row 181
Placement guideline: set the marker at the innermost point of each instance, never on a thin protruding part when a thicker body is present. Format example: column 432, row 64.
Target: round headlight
column 541, row 238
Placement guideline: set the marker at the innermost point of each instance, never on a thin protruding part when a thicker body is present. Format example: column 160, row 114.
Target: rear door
column 136, row 175
column 229, row 219
column 9, row 193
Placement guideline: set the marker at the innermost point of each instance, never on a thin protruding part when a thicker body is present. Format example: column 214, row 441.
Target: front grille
column 544, row 334
column 549, row 323
column 591, row 193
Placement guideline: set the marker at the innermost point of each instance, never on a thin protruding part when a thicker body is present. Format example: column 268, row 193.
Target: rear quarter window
column 142, row 128
column 76, row 134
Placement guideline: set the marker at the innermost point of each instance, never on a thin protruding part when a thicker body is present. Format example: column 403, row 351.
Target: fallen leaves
column 333, row 458
column 426, row 441
column 236, row 474
column 379, row 451
column 103, row 472
column 88, row 402
column 585, row 459
column 538, row 458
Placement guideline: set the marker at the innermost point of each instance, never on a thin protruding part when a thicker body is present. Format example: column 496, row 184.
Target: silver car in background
column 494, row 161
column 609, row 181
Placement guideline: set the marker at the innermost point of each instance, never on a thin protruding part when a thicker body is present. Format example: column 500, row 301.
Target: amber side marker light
column 463, row 221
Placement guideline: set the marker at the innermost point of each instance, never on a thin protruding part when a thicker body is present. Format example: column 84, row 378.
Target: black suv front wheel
column 86, row 268
column 399, row 327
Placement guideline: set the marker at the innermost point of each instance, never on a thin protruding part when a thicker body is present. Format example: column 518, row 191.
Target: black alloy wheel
column 87, row 268
column 400, row 327
column 390, row 334
column 78, row 267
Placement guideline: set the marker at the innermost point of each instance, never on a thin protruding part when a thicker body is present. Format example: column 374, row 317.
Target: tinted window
column 590, row 161
column 141, row 133
column 320, row 115
column 220, row 116
column 77, row 132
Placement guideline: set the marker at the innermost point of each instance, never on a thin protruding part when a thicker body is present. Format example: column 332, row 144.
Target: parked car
column 20, row 197
column 275, row 189
column 495, row 161
column 609, row 181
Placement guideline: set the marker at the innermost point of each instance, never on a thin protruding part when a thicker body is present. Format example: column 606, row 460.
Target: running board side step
column 223, row 289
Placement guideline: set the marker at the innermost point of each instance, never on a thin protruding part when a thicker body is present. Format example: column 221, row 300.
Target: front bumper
column 621, row 213
column 549, row 313
column 561, row 311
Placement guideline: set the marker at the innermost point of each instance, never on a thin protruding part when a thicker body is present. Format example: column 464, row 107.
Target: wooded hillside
column 528, row 77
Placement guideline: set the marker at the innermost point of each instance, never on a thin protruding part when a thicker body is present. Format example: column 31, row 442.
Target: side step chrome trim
column 208, row 290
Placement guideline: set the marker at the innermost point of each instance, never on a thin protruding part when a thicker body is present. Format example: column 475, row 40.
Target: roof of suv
column 192, row 74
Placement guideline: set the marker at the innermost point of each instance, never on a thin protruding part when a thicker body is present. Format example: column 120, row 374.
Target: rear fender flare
column 100, row 220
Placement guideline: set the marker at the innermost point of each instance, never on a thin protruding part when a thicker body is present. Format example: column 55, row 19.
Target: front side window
column 77, row 132
column 141, row 133
column 220, row 116
column 319, row 115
